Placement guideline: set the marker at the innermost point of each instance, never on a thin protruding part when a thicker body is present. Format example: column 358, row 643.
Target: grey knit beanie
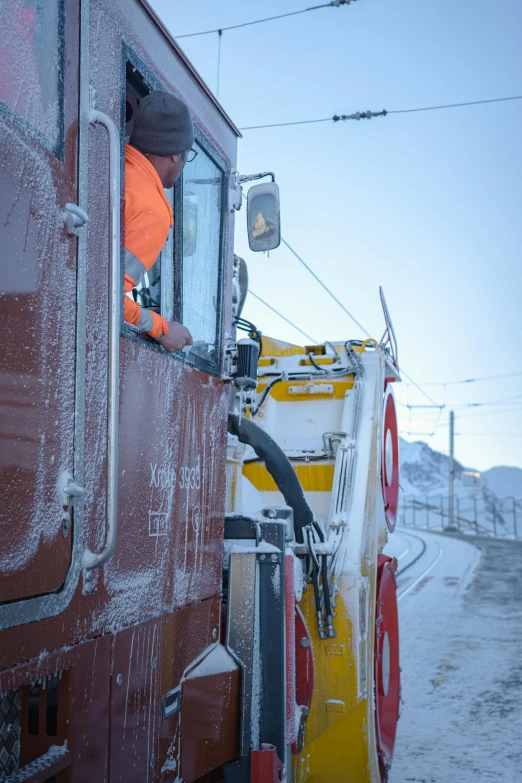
column 163, row 125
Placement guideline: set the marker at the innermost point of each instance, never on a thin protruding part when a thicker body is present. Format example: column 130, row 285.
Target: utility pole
column 451, row 467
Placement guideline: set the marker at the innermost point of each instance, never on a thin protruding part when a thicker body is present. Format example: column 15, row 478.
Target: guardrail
column 477, row 515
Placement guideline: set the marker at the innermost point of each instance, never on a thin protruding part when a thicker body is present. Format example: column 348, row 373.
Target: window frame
column 58, row 149
column 222, row 166
column 147, row 80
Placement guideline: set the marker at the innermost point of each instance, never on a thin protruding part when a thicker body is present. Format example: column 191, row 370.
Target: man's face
column 176, row 166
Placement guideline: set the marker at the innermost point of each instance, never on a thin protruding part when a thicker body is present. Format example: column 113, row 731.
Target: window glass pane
column 202, row 181
column 31, row 86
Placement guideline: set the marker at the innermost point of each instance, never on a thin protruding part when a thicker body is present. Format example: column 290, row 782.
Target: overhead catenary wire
column 323, row 285
column 220, row 34
column 368, row 115
column 502, row 401
column 467, row 434
column 288, row 321
column 220, row 30
column 490, row 434
column 348, row 313
column 472, row 380
column 341, row 305
column 444, row 424
column 420, row 389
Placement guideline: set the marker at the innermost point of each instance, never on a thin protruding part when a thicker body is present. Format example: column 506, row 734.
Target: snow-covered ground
column 460, row 623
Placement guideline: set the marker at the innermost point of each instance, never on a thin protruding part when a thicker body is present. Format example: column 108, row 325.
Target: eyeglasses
column 190, row 155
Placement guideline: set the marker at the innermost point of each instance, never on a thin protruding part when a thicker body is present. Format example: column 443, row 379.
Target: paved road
column 460, row 606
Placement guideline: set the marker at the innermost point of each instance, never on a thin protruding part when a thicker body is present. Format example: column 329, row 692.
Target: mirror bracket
column 251, row 177
column 236, row 192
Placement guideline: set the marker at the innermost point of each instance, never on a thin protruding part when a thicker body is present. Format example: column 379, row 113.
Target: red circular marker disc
column 390, row 460
column 387, row 669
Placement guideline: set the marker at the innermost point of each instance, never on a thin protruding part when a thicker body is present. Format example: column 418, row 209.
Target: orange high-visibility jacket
column 148, row 218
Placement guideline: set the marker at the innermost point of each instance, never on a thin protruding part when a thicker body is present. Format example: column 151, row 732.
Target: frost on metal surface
column 171, row 489
column 31, row 42
column 257, row 678
column 38, row 300
column 217, row 661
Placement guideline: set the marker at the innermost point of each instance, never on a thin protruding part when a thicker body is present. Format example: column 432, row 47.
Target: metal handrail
column 92, row 560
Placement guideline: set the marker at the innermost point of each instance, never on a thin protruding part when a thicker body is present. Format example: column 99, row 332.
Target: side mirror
column 263, row 217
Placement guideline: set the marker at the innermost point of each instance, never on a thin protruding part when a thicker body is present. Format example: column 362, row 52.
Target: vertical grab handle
column 91, row 560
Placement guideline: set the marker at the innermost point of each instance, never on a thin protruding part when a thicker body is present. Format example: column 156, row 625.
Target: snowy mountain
column 504, row 481
column 425, row 471
column 493, row 508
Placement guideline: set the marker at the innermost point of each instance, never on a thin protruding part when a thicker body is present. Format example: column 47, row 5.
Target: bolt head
column 274, row 558
column 305, row 642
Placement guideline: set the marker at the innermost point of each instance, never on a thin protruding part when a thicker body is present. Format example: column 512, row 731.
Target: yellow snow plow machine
column 313, row 450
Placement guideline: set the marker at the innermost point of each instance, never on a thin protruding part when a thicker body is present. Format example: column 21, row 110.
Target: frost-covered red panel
column 150, row 662
column 63, row 710
column 38, row 150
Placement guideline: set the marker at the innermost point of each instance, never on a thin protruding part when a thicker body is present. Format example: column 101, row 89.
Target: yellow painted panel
column 273, row 347
column 313, row 476
column 280, row 391
column 341, row 754
column 317, row 360
column 339, row 741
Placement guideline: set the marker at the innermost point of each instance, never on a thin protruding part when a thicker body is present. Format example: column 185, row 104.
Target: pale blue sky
column 427, row 205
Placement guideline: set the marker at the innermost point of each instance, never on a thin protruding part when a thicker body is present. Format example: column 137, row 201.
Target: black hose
column 265, row 393
column 326, row 586
column 319, row 531
column 317, row 597
column 327, row 597
column 279, row 467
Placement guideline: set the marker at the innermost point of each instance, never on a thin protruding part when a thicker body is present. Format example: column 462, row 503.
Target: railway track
column 417, row 556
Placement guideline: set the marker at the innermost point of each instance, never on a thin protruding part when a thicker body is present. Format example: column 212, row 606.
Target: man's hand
column 177, row 338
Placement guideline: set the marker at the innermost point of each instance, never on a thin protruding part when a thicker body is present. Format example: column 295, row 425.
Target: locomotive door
column 39, row 51
column 172, row 408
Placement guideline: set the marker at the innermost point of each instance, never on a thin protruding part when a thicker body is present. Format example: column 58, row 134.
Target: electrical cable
column 487, row 413
column 461, row 418
column 220, row 30
column 367, row 115
column 412, row 382
column 323, row 285
column 472, row 380
column 455, row 105
column 288, row 321
column 490, row 434
column 348, row 313
column 454, row 406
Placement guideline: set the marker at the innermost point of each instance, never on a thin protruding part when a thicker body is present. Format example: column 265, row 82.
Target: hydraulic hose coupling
column 247, row 358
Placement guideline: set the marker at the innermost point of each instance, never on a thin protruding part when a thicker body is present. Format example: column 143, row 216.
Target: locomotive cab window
column 202, row 228
column 183, row 284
